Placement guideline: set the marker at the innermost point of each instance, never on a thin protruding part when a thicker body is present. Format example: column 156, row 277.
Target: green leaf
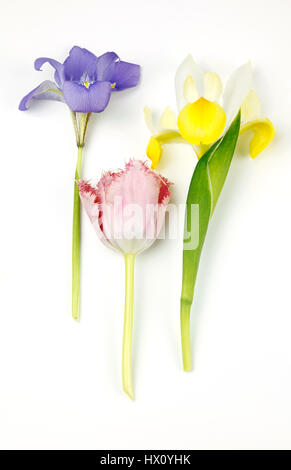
column 205, row 187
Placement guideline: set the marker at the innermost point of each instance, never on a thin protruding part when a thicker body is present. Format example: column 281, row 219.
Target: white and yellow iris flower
column 205, row 112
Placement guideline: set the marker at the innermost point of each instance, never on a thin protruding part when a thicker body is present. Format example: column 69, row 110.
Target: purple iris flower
column 84, row 82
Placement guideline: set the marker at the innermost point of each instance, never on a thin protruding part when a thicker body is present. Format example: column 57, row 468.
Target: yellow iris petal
column 154, row 149
column 201, row 122
column 264, row 133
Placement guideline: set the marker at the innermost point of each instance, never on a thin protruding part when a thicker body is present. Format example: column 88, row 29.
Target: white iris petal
column 212, row 86
column 236, row 90
column 187, row 67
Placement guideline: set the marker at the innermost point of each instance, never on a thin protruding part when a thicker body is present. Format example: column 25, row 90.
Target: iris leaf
column 205, row 187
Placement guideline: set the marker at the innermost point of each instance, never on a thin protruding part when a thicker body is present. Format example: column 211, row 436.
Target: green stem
column 185, row 335
column 128, row 321
column 76, row 242
column 80, row 127
column 75, row 124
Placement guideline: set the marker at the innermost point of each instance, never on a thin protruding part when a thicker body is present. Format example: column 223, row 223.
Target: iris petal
column 186, row 68
column 87, row 100
column 190, row 90
column 264, row 133
column 81, row 64
column 202, row 122
column 59, row 68
column 155, row 150
column 47, row 90
column 236, row 90
column 105, row 66
column 125, row 75
column 168, row 120
column 212, row 86
column 251, row 107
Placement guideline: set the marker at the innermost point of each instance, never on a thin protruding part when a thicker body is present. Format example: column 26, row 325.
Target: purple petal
column 81, row 64
column 105, row 66
column 125, row 75
column 87, row 100
column 47, row 90
column 59, row 68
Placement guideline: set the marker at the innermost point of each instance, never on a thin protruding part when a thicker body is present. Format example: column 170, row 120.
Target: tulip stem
column 128, row 321
column 185, row 335
column 76, row 242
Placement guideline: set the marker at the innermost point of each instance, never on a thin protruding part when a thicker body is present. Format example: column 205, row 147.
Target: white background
column 61, row 380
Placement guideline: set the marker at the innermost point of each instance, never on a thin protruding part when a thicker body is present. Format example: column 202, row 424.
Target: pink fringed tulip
column 127, row 210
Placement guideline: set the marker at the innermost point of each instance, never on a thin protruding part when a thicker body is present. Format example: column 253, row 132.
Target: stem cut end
column 129, row 392
column 185, row 335
column 75, row 295
column 187, row 365
column 76, row 314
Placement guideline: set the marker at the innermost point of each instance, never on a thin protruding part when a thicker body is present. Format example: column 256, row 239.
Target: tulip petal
column 89, row 198
column 202, row 122
column 47, row 90
column 127, row 208
column 59, row 68
column 186, row 68
column 264, row 133
column 212, row 86
column 236, row 90
column 251, row 107
column 87, row 100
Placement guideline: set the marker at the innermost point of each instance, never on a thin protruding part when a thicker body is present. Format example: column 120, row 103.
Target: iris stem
column 76, row 242
column 127, row 329
column 185, row 334
column 80, row 122
column 75, row 124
